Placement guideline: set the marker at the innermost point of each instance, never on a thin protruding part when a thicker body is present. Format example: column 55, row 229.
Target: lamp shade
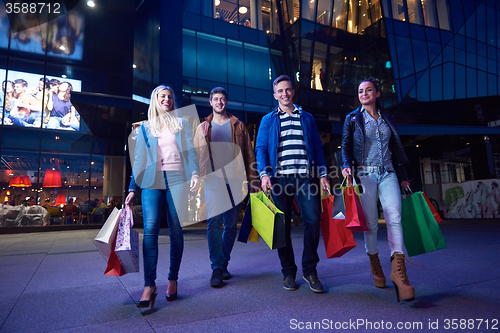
column 20, row 181
column 52, row 178
column 61, row 199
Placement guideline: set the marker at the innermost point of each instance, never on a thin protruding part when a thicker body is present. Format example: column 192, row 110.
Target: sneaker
column 289, row 283
column 225, row 274
column 216, row 279
column 314, row 283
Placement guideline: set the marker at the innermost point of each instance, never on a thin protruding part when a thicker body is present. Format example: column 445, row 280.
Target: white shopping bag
column 105, row 238
column 127, row 242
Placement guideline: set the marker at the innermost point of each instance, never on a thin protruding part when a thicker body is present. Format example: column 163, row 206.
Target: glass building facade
column 437, row 62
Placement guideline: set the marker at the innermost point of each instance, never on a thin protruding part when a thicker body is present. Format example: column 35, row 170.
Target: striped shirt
column 292, row 154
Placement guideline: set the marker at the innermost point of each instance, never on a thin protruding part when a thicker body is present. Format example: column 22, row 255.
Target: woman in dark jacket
column 373, row 153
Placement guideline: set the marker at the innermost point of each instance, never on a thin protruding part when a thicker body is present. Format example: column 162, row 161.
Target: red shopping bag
column 338, row 239
column 354, row 215
column 114, row 266
column 433, row 210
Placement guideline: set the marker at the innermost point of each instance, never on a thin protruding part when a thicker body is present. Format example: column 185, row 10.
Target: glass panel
column 481, row 84
column 414, row 15
column 471, row 60
column 492, row 66
column 257, row 66
column 320, row 75
column 375, row 10
column 471, row 82
column 335, row 69
column 460, row 81
column 423, row 87
column 324, row 12
column 308, row 9
column 492, row 85
column 352, row 20
column 385, row 5
column 444, row 18
column 436, row 83
column 189, row 53
column 405, row 58
column 430, row 18
column 398, row 11
column 481, row 23
column 227, row 10
column 212, row 58
column 339, row 14
column 470, row 26
column 420, row 55
column 235, row 62
column 448, row 81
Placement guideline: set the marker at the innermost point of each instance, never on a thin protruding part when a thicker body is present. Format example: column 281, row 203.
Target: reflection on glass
column 236, row 12
column 324, row 12
column 26, row 95
column 429, row 13
column 62, row 37
column 352, row 21
column 414, row 11
column 339, row 14
column 308, row 9
column 398, row 10
column 444, row 18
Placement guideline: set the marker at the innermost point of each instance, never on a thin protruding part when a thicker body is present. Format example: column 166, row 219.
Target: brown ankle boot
column 399, row 278
column 377, row 273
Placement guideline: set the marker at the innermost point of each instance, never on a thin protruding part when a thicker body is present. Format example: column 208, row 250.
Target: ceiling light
column 217, row 2
column 64, row 76
column 243, row 10
column 134, row 66
column 62, row 48
column 91, row 3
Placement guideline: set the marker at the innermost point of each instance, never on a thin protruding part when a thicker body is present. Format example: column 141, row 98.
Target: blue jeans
column 382, row 184
column 152, row 199
column 220, row 243
column 55, row 122
column 306, row 192
column 23, row 120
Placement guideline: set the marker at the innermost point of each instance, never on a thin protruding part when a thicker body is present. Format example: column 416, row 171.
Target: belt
column 379, row 169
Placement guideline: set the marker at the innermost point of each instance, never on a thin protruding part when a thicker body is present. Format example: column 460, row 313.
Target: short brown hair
column 218, row 90
column 282, row 78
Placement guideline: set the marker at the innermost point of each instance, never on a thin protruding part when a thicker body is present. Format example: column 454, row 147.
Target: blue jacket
column 144, row 164
column 267, row 143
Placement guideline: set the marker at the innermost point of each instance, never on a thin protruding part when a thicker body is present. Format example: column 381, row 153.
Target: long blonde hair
column 159, row 120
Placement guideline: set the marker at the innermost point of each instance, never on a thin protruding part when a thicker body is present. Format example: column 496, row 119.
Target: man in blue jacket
column 290, row 160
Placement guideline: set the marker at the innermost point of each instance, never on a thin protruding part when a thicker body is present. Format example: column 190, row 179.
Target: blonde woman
column 164, row 162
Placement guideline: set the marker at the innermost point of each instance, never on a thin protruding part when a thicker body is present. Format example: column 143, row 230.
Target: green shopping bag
column 421, row 232
column 268, row 220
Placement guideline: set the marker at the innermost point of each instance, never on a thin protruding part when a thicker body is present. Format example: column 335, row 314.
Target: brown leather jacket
column 241, row 138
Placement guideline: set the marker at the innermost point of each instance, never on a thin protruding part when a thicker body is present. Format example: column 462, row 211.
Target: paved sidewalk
column 54, row 282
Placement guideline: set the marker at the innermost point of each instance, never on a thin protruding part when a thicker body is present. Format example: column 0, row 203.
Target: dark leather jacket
column 353, row 141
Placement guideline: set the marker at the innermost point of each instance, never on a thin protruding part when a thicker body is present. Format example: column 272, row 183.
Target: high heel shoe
column 172, row 297
column 145, row 304
column 400, row 280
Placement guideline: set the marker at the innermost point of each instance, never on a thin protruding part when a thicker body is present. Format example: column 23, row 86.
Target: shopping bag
column 421, row 233
column 106, row 236
column 268, row 220
column 253, row 236
column 246, row 224
column 114, row 267
column 433, row 210
column 337, row 238
column 127, row 242
column 354, row 215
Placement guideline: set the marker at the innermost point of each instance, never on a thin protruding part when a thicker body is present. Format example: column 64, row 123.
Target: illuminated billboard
column 34, row 100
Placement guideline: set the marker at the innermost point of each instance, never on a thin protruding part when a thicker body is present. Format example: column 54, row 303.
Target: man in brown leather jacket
column 225, row 154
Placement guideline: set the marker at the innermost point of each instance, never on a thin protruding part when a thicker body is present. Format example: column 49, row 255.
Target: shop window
column 414, row 15
column 308, row 7
column 240, row 12
column 398, row 10
column 324, row 12
column 443, row 14
column 339, row 14
column 429, row 13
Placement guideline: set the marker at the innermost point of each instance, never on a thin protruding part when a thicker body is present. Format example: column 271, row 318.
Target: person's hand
column 66, row 120
column 325, row 184
column 130, row 196
column 265, row 183
column 346, row 171
column 405, row 185
column 195, row 183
